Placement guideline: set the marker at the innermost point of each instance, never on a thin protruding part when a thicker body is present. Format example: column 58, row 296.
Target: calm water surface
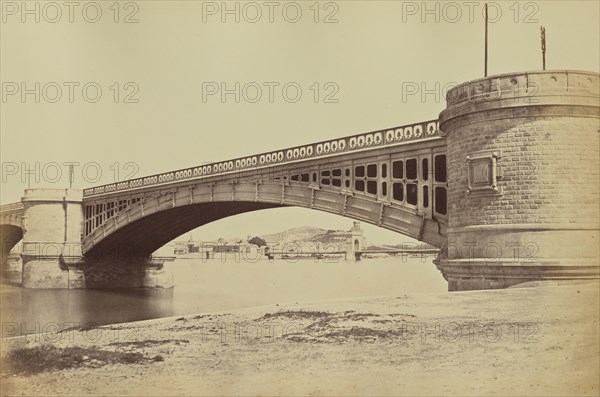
column 213, row 285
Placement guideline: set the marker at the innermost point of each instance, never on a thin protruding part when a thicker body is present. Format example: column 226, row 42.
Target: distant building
column 180, row 248
column 355, row 241
column 226, row 248
column 192, row 246
column 350, row 241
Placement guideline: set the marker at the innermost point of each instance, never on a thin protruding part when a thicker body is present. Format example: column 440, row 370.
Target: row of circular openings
column 333, row 146
column 299, row 152
column 270, row 157
column 366, row 140
column 410, row 132
column 207, row 169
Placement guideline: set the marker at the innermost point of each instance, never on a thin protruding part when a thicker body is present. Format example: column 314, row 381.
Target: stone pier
column 523, row 188
column 52, row 254
column 52, row 225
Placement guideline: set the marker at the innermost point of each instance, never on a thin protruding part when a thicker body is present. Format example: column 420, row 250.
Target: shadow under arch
column 10, row 235
column 141, row 238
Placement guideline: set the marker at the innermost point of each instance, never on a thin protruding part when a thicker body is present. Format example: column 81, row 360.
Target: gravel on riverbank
column 521, row 341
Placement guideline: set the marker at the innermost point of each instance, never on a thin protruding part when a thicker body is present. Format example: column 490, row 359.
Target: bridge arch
column 11, row 235
column 147, row 225
column 11, row 229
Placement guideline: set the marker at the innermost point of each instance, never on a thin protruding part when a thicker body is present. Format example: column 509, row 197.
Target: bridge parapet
column 12, row 207
column 405, row 134
column 528, row 88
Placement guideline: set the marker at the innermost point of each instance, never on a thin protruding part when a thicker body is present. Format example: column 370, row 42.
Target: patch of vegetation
column 363, row 333
column 148, row 343
column 201, row 327
column 340, row 335
column 297, row 315
column 321, row 324
column 117, row 327
column 85, row 327
column 401, row 315
column 324, row 238
column 359, row 316
column 382, row 321
column 257, row 241
column 298, row 338
column 34, row 360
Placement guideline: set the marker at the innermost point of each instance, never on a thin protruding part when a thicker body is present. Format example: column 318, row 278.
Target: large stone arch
column 146, row 226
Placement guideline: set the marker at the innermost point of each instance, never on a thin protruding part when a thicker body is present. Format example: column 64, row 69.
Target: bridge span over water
column 394, row 178
column 498, row 183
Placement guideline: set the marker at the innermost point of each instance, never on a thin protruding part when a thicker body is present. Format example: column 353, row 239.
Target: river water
column 214, row 285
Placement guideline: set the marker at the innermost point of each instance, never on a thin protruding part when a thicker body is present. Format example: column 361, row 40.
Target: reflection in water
column 214, row 285
column 44, row 308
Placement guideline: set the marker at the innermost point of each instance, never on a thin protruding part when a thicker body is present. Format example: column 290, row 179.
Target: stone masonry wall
column 550, row 171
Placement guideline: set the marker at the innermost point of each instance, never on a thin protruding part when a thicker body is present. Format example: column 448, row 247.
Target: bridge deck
column 393, row 178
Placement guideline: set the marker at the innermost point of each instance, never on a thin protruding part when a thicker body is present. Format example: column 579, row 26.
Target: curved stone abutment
column 523, row 188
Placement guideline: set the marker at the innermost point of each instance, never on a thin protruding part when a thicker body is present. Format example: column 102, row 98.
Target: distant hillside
column 304, row 233
column 318, row 235
column 309, row 234
column 325, row 238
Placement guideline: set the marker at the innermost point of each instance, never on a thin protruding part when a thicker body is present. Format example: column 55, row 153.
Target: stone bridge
column 505, row 183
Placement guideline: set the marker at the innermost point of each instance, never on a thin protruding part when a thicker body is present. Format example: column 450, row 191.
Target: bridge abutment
column 52, row 253
column 522, row 153
column 52, row 227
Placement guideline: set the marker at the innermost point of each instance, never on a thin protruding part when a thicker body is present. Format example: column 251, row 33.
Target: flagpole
column 543, row 32
column 485, row 72
column 71, row 168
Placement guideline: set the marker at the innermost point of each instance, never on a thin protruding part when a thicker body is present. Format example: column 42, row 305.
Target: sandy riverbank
column 525, row 341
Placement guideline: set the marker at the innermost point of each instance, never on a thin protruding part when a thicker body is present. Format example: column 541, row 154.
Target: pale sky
column 373, row 54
